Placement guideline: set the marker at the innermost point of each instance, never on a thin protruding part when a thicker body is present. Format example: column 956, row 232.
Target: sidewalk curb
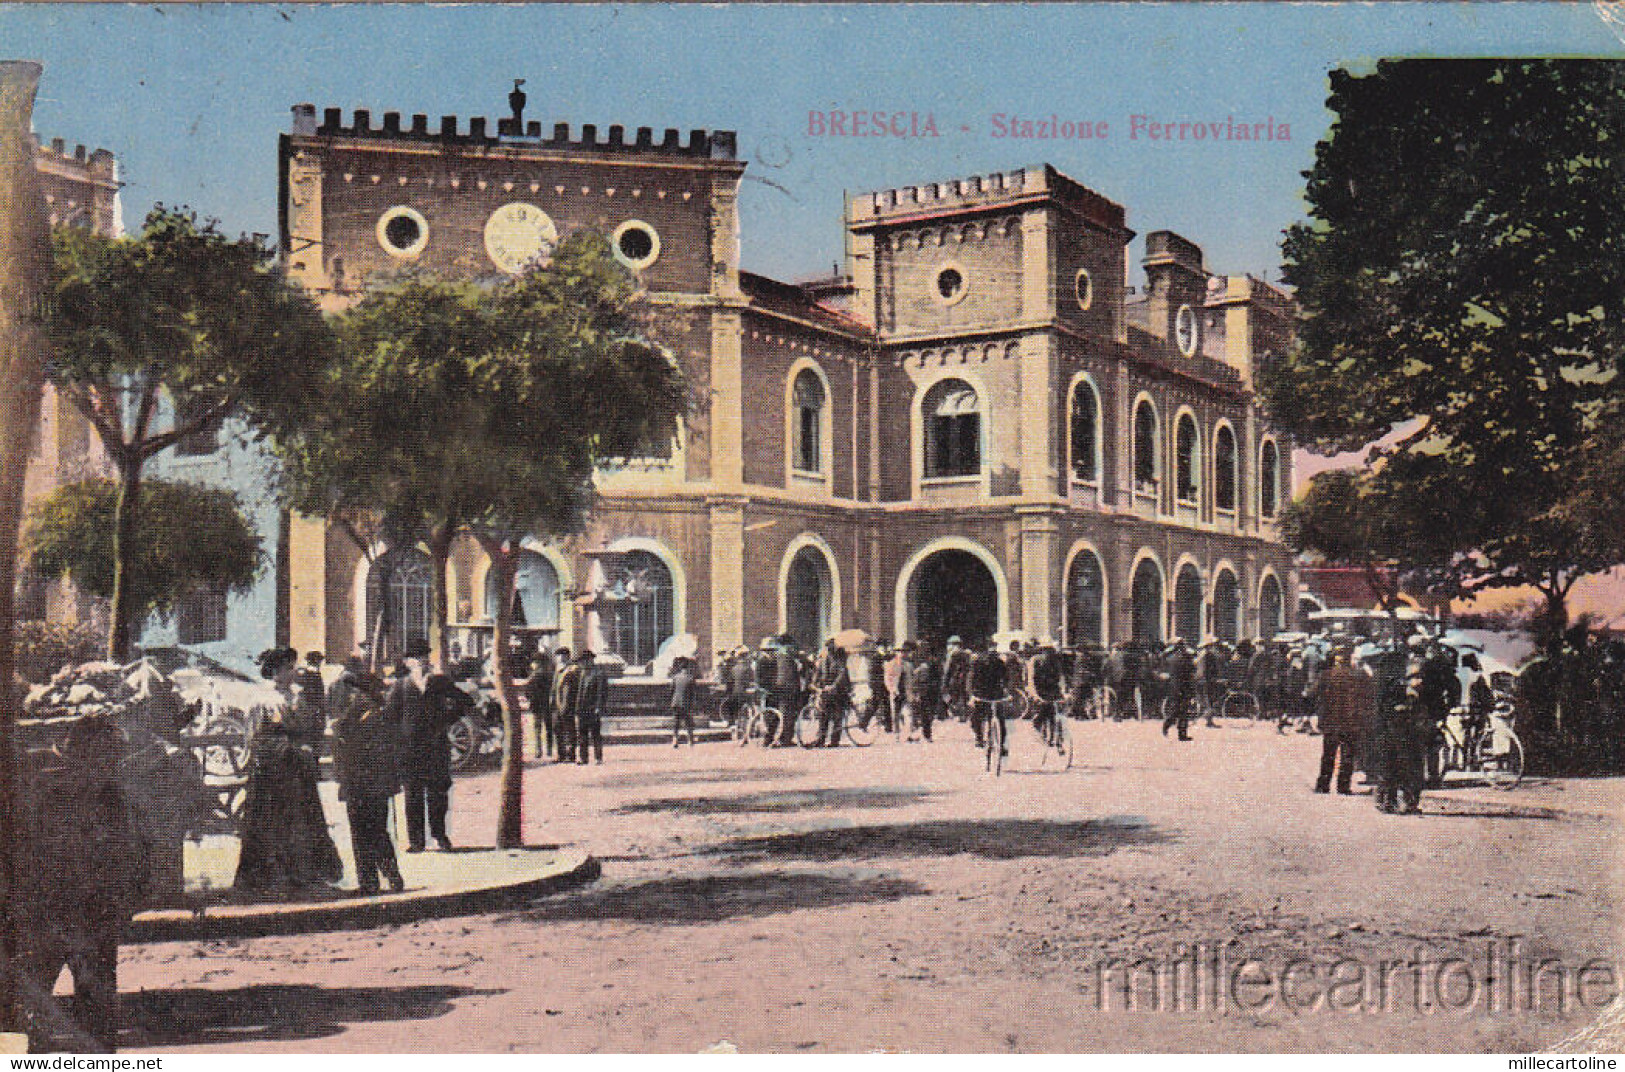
column 258, row 921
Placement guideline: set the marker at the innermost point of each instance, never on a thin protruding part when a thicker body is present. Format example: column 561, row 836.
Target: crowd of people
column 388, row 737
column 1378, row 708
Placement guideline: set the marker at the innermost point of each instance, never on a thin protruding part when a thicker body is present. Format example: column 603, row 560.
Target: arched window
column 1145, row 447
column 1224, row 468
column 1269, row 608
column 401, row 621
column 637, row 610
column 1188, row 604
column 1227, row 607
column 807, row 399
column 1269, row 478
column 953, row 430
column 1085, row 432
column 536, row 583
column 1146, row 597
column 1187, row 458
column 1085, row 601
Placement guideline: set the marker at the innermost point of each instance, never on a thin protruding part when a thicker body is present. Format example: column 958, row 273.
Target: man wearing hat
column 785, row 691
column 1181, row 670
column 956, row 677
column 539, row 695
column 1046, row 683
column 683, row 677
column 1345, row 701
column 922, row 687
column 581, row 692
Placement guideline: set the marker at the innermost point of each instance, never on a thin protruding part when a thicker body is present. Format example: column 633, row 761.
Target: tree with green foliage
column 187, row 538
column 486, row 408
column 1463, row 301
column 181, row 311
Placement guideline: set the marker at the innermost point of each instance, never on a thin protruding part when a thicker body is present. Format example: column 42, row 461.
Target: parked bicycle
column 757, row 721
column 855, row 728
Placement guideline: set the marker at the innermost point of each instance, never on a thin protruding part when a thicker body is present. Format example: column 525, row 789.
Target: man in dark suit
column 583, row 692
column 539, row 695
column 1346, row 701
column 1181, row 671
column 427, row 766
column 367, row 748
column 683, row 687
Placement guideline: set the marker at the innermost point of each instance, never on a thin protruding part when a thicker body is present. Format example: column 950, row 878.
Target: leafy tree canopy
column 1463, row 295
column 189, row 538
column 183, row 308
column 489, row 403
column 178, row 308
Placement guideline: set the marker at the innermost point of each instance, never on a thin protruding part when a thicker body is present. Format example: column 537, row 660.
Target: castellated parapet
column 708, row 144
column 82, row 164
column 997, row 189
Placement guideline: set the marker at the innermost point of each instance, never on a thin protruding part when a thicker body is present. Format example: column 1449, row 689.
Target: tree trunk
column 25, row 254
column 380, row 625
column 125, row 514
column 510, row 829
column 439, row 614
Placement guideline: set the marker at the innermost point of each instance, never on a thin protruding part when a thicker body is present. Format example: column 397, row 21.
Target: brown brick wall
column 598, row 195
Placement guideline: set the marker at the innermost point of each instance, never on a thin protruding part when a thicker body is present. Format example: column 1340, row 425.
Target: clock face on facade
column 518, row 234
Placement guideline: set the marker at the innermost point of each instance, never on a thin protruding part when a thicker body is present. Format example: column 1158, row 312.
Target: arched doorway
column 536, row 583
column 1085, row 601
column 1269, row 607
column 1188, row 604
column 400, row 622
column 807, row 598
column 1146, row 597
column 636, row 610
column 953, row 593
column 1227, row 607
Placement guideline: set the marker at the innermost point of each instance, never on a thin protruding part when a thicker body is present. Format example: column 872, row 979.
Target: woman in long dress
column 285, row 843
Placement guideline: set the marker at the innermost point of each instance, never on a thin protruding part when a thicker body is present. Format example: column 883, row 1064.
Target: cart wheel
column 464, row 737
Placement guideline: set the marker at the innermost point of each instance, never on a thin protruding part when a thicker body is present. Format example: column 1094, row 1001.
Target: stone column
column 1039, row 471
column 307, row 587
column 1039, row 536
column 727, row 439
column 727, row 571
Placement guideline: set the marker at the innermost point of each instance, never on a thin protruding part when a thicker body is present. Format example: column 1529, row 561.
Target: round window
column 1084, row 288
column 1185, row 332
column 403, row 232
column 635, row 244
column 950, row 284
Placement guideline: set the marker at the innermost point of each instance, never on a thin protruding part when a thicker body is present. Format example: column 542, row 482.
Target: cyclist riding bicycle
column 1046, row 684
column 989, row 689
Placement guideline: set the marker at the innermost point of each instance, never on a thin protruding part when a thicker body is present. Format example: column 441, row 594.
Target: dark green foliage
column 188, row 538
column 1463, row 288
column 178, row 309
column 486, row 408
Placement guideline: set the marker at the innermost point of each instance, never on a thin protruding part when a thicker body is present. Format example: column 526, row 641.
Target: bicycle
column 1055, row 732
column 994, row 743
column 857, row 730
column 1491, row 749
column 757, row 721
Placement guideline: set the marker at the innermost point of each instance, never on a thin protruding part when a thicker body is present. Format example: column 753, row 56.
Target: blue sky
column 191, row 99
